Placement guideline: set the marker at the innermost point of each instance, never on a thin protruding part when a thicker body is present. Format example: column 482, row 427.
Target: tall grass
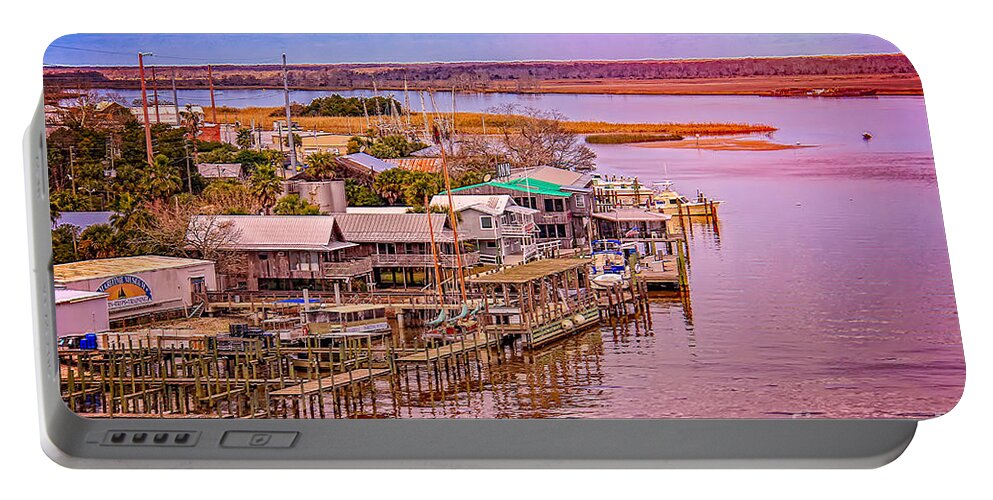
column 630, row 138
column 472, row 123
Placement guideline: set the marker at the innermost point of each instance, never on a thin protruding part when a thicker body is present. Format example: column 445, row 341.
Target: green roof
column 533, row 186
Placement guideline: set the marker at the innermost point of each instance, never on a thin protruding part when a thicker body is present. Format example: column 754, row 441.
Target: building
column 503, row 231
column 232, row 171
column 620, row 223
column 79, row 312
column 399, row 246
column 322, row 142
column 146, row 286
column 617, row 191
column 287, row 252
column 167, row 113
column 563, row 211
column 329, row 196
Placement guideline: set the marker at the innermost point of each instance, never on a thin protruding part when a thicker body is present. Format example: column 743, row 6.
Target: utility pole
column 155, row 93
column 144, row 106
column 213, row 107
column 189, row 178
column 289, row 118
column 175, row 98
column 72, row 168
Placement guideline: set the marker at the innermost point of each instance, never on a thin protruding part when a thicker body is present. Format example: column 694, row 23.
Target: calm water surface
column 826, row 291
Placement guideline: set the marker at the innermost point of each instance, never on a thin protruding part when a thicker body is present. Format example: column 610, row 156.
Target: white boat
column 667, row 200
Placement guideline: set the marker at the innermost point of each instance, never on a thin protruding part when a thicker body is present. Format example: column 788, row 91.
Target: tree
column 162, row 180
column 98, row 241
column 359, row 195
column 206, row 236
column 244, row 139
column 421, row 184
column 293, row 204
column 64, row 241
column 322, row 165
column 531, row 137
column 227, row 196
column 265, row 186
column 191, row 121
column 391, row 183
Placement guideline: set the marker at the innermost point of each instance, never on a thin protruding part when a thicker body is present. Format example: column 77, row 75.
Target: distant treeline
column 481, row 75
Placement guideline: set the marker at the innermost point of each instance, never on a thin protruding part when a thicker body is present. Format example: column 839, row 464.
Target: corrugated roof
column 527, row 185
column 430, row 165
column 393, row 228
column 65, row 296
column 555, row 175
column 315, row 233
column 531, row 271
column 82, row 220
column 632, row 215
column 368, row 161
column 106, row 268
column 493, row 204
column 220, row 170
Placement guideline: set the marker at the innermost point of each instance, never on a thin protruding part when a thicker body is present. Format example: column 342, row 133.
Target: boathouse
column 631, row 223
column 540, row 301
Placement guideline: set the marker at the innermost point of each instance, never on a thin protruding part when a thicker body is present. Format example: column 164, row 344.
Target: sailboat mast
column 434, row 253
column 451, row 211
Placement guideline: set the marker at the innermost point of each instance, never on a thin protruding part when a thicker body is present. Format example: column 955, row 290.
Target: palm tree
column 391, row 184
column 322, row 165
column 191, row 122
column 162, row 180
column 98, row 241
column 265, row 186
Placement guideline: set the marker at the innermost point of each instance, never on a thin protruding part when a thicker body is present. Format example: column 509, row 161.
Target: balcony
column 422, row 260
column 346, row 269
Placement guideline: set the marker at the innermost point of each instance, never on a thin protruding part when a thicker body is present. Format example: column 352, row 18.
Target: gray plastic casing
column 75, row 441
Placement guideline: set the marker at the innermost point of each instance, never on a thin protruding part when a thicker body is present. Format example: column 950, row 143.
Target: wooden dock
column 335, row 381
column 479, row 340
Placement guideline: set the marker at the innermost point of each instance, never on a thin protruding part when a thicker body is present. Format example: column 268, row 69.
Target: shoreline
column 739, row 143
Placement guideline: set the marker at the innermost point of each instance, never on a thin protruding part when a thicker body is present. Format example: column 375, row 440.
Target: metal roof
column 394, row 228
column 632, row 215
column 106, row 268
column 531, row 271
column 431, row 165
column 316, row 233
column 220, row 170
column 524, row 184
column 555, row 175
column 65, row 296
column 368, row 161
column 493, row 204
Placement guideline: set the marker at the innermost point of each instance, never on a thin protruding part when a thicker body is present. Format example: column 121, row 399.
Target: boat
column 866, row 136
column 350, row 318
column 667, row 200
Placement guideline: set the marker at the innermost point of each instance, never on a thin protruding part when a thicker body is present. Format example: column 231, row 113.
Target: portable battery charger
column 466, row 250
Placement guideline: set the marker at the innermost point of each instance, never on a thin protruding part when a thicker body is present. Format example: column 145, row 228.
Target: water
column 826, row 293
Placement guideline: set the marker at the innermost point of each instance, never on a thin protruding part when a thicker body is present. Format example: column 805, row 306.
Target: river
column 826, row 291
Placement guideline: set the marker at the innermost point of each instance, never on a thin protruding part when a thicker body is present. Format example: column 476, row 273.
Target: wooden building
column 399, row 246
column 286, row 252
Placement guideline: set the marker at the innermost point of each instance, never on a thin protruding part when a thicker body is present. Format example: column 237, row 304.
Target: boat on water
column 667, row 200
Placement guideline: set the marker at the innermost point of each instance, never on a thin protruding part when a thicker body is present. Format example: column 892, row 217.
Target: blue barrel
column 89, row 341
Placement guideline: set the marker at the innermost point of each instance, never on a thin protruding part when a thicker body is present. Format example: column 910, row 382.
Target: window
column 491, row 244
column 554, row 205
column 486, row 222
column 580, row 201
column 527, row 201
column 551, row 231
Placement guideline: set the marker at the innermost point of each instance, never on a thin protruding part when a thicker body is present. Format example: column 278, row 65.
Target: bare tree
column 531, row 137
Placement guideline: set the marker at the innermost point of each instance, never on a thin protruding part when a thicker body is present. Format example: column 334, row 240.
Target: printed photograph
column 496, row 226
